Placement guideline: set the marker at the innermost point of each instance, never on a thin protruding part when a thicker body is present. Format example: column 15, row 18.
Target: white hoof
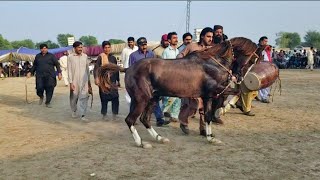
column 215, row 141
column 146, row 145
column 165, row 140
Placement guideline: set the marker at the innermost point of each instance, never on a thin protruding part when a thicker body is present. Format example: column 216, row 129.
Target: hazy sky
column 44, row 20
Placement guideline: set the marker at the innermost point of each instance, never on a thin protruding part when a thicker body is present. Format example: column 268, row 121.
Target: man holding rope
column 43, row 65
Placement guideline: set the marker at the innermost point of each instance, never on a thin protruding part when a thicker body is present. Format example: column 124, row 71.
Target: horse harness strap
column 215, row 60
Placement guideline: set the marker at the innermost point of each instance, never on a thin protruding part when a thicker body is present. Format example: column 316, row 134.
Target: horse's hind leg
column 136, row 108
column 208, row 116
column 145, row 119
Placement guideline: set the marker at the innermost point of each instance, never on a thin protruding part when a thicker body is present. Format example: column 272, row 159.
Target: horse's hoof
column 146, row 145
column 215, row 141
column 165, row 140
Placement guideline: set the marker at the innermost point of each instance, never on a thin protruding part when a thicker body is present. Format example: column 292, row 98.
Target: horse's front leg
column 208, row 117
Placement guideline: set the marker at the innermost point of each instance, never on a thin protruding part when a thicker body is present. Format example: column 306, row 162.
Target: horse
column 202, row 74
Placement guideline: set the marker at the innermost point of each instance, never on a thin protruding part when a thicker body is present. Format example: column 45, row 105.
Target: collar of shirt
column 171, row 48
column 75, row 54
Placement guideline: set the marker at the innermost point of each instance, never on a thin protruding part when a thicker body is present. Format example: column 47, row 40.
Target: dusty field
column 281, row 142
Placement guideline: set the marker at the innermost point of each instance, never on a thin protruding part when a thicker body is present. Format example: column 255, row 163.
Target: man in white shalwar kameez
column 64, row 67
column 79, row 79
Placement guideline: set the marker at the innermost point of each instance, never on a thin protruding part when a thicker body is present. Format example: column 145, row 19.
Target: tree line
column 293, row 39
column 62, row 41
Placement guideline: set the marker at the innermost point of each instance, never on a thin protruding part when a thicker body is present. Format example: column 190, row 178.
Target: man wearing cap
column 218, row 36
column 142, row 53
column 125, row 54
column 187, row 39
column 159, row 49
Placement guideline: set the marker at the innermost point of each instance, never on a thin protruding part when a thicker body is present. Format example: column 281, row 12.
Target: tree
column 63, row 39
column 51, row 45
column 89, row 40
column 28, row 43
column 312, row 38
column 288, row 39
column 4, row 44
column 116, row 41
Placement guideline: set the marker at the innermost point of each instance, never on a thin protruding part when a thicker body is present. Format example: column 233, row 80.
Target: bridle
column 230, row 72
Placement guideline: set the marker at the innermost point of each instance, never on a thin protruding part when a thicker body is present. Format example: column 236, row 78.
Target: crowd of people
column 15, row 69
column 74, row 70
column 296, row 59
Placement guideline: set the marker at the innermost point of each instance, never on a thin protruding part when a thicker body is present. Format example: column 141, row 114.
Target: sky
column 120, row 19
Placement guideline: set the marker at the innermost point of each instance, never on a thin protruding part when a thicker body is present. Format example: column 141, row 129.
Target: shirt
column 114, row 76
column 158, row 51
column 126, row 54
column 181, row 48
column 170, row 53
column 64, row 62
column 44, row 65
column 138, row 55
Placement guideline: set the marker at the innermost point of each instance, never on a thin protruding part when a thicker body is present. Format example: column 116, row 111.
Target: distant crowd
column 296, row 59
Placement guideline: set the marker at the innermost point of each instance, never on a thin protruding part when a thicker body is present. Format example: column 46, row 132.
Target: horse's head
column 244, row 51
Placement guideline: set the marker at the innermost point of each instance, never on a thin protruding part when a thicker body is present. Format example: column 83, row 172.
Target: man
column 187, row 39
column 43, row 66
column 266, row 53
column 164, row 44
column 113, row 96
column 64, row 67
column 310, row 59
column 142, row 53
column 218, row 35
column 79, row 79
column 171, row 105
column 127, row 51
column 190, row 105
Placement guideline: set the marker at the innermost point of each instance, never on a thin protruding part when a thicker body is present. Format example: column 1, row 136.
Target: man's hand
column 72, row 87
column 29, row 75
column 234, row 79
column 90, row 90
column 59, row 76
column 97, row 81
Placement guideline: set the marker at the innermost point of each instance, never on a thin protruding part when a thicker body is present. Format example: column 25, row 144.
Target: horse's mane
column 244, row 45
column 222, row 50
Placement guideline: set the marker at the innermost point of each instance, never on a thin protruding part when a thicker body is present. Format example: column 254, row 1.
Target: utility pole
column 188, row 17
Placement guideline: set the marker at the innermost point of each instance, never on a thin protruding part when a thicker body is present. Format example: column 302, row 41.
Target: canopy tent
column 26, row 54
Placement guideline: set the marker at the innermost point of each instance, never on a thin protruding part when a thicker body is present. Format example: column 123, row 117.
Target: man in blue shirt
column 141, row 53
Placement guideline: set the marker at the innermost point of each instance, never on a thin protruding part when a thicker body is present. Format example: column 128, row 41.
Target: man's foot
column 203, row 133
column 173, row 119
column 249, row 113
column 162, row 122
column 104, row 117
column 114, row 116
column 217, row 120
column 184, row 129
column 40, row 100
column 48, row 105
column 84, row 119
column 265, row 101
column 257, row 98
column 74, row 115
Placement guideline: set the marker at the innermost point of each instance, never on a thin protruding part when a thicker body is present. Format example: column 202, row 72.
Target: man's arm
column 69, row 62
column 56, row 63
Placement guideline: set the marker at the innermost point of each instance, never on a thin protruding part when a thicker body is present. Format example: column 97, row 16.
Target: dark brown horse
column 201, row 74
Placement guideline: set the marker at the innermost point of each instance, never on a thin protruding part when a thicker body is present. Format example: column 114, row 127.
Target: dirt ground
column 281, row 142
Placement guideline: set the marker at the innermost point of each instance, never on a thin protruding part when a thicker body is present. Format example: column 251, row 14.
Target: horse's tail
column 104, row 73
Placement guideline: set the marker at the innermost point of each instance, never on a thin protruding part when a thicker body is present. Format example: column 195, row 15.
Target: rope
column 26, row 90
